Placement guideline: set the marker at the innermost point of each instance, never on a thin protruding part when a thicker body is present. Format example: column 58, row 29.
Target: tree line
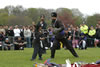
column 19, row 15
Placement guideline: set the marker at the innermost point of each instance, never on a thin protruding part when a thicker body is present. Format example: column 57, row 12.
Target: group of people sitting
column 18, row 44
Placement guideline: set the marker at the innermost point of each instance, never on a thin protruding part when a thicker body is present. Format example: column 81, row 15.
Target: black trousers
column 7, row 48
column 65, row 43
column 17, row 47
column 37, row 50
column 0, row 47
column 44, row 45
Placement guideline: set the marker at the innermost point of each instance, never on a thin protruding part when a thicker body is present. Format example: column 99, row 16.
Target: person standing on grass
column 97, row 37
column 27, row 35
column 37, row 46
column 75, row 37
column 59, row 36
column 10, row 34
column 91, row 35
column 43, row 26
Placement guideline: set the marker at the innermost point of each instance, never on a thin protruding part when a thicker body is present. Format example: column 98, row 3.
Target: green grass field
column 22, row 58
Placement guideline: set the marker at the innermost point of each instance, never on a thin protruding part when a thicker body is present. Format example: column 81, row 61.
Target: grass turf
column 22, row 58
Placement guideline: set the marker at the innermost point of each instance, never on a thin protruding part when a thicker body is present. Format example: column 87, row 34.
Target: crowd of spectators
column 19, row 37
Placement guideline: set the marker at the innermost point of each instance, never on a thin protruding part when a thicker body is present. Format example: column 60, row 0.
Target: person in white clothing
column 27, row 35
column 16, row 32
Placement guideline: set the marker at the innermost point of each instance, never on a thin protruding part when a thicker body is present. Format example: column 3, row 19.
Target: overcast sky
column 87, row 7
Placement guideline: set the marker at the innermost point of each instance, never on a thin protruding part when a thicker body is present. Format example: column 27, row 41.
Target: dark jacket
column 37, row 38
column 1, row 37
column 11, row 33
column 60, row 28
column 43, row 25
column 70, row 33
column 98, row 33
